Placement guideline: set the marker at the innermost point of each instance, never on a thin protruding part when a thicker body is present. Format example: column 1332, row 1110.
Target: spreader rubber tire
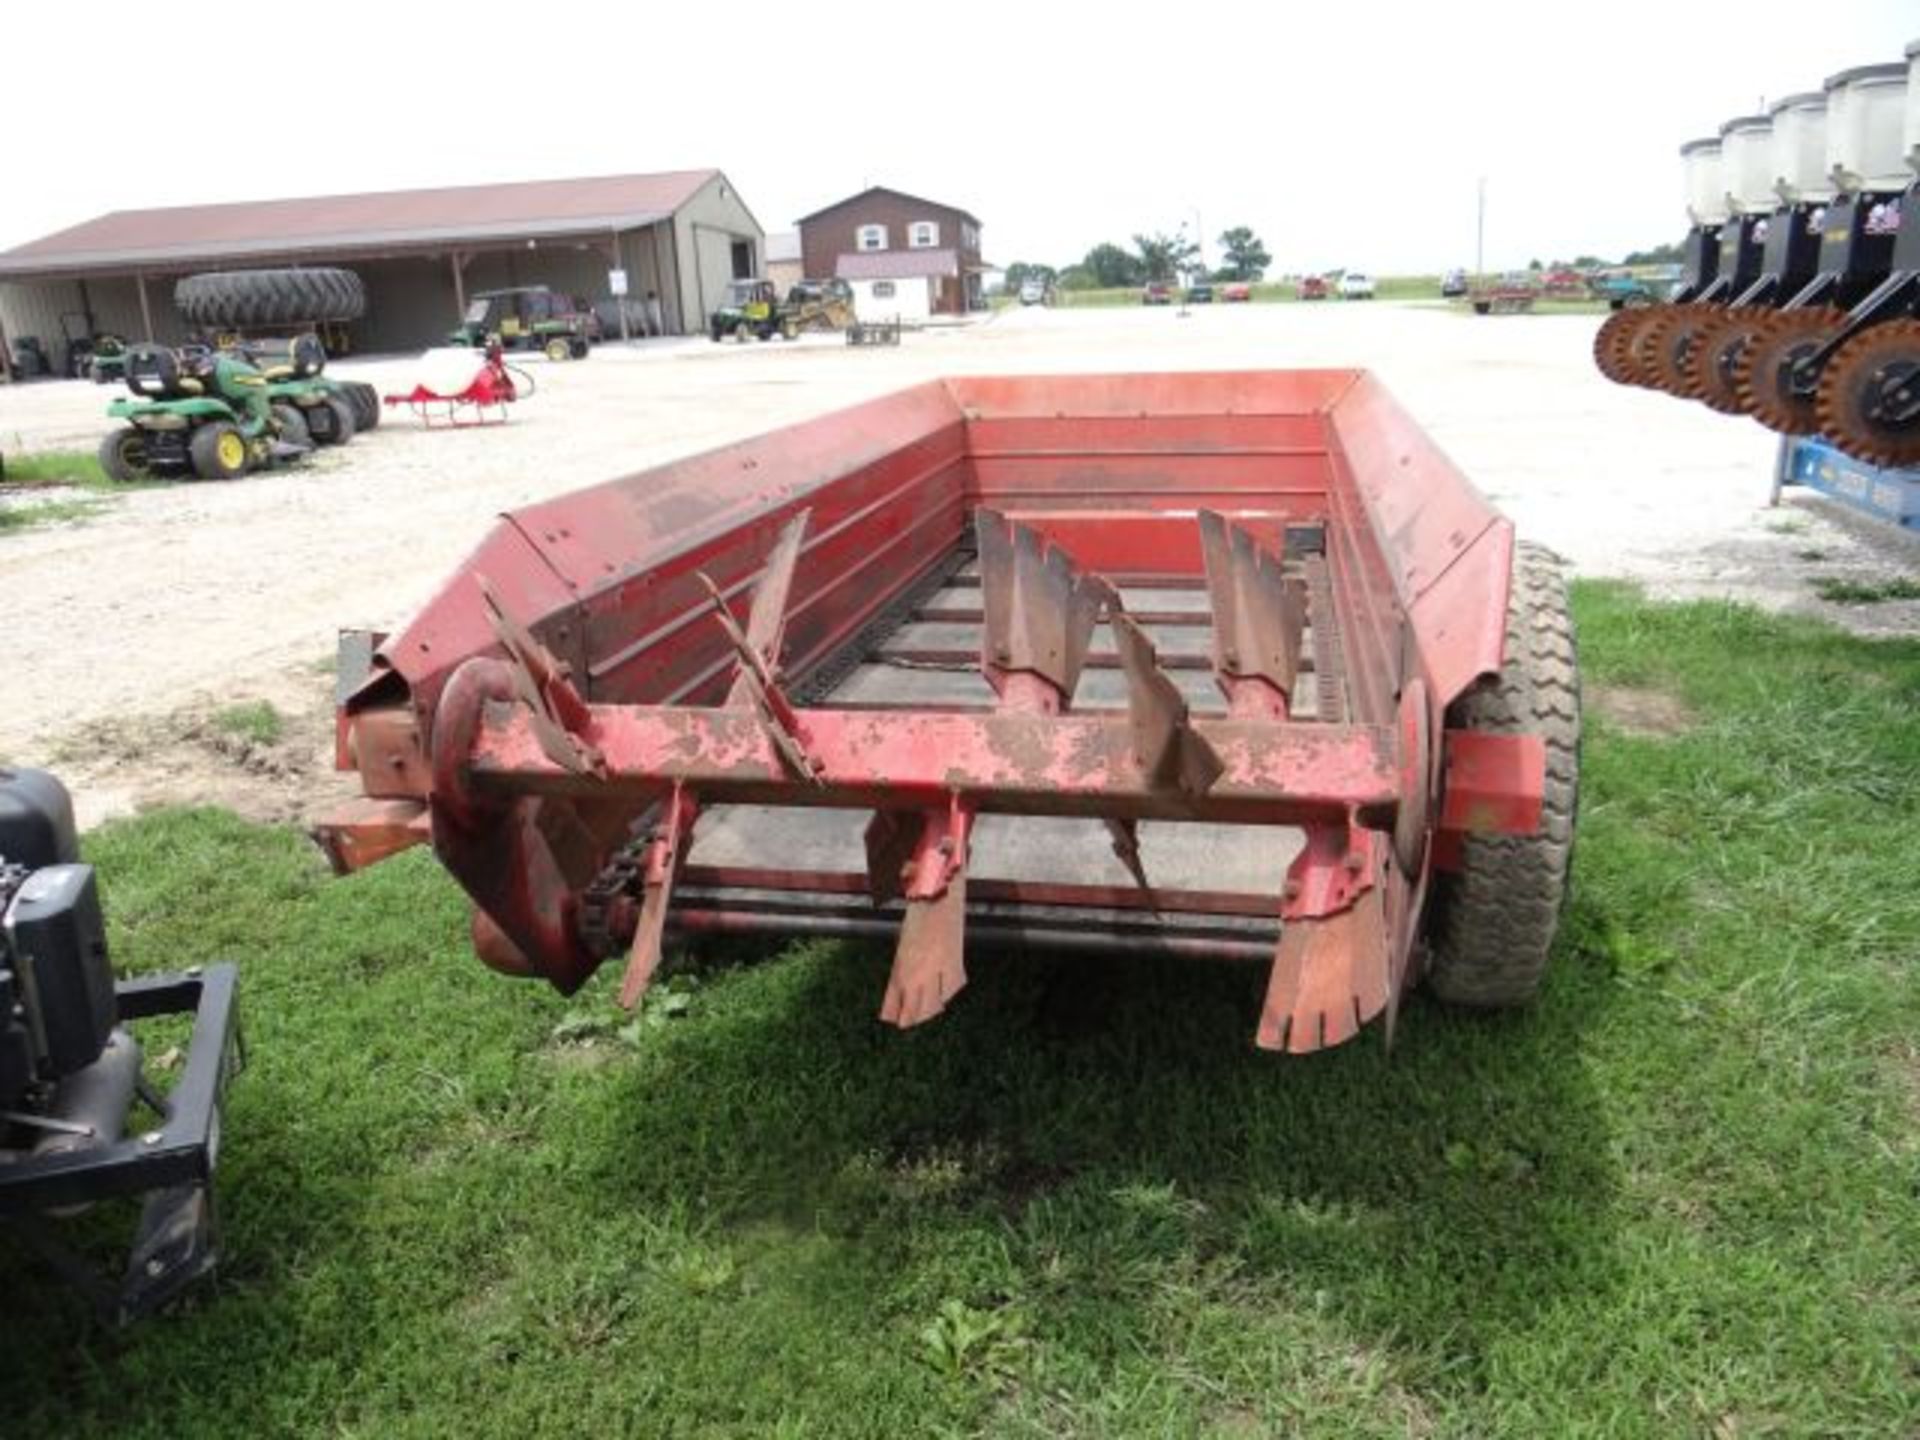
column 1492, row 922
column 219, row 452
column 370, row 398
column 241, row 299
column 123, row 455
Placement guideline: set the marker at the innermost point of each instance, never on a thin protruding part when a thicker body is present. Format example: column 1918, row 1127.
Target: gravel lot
column 174, row 601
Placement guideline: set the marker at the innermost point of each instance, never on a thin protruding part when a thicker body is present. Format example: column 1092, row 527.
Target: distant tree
column 1163, row 256
column 1244, row 257
column 1588, row 262
column 1535, row 265
column 1021, row 271
column 1111, row 267
column 1078, row 277
column 1658, row 255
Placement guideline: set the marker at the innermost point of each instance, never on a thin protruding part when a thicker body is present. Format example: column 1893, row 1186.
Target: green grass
column 58, row 467
column 1388, row 287
column 1677, row 1198
column 1845, row 591
column 253, row 720
column 15, row 518
column 55, row 469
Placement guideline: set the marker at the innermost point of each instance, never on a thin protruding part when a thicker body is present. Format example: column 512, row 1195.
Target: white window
column 883, row 290
column 871, row 237
column 923, row 235
column 970, row 237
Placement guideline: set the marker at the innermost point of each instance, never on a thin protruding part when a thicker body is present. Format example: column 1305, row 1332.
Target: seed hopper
column 1825, row 336
column 1230, row 665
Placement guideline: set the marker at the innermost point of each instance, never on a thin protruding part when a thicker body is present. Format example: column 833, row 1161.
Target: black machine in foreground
column 71, row 1077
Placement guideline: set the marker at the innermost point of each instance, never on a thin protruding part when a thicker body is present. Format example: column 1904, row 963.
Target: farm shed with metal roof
column 682, row 235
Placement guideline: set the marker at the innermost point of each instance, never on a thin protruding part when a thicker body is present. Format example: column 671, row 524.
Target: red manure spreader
column 1231, row 665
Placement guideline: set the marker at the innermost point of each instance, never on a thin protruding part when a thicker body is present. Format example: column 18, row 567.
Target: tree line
column 1158, row 256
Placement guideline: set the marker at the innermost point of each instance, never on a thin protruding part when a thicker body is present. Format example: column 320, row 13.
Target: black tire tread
column 1494, row 920
column 368, row 417
column 114, row 462
column 241, row 299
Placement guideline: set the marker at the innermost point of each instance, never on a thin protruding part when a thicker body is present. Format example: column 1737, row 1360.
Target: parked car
column 1565, row 281
column 1033, row 292
column 1356, row 286
column 1453, row 284
column 1237, row 292
column 1199, row 292
column 1156, row 292
column 1311, row 287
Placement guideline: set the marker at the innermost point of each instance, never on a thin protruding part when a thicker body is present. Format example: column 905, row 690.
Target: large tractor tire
column 1493, row 921
column 244, row 299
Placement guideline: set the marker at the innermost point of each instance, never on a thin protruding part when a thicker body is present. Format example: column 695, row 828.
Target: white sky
column 1344, row 134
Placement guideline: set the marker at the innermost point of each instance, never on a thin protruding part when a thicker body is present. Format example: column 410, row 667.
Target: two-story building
column 903, row 256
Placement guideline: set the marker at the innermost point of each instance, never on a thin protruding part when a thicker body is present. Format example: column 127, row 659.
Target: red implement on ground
column 1231, row 665
column 483, row 400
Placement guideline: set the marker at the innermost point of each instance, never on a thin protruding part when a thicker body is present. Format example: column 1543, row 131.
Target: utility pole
column 1480, row 231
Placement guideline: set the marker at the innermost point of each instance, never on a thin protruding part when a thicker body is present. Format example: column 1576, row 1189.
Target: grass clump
column 1841, row 590
column 52, row 470
column 255, row 721
column 14, row 518
column 1676, row 1197
column 44, row 468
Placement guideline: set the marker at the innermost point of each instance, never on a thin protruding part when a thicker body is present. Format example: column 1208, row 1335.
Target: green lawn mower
column 293, row 371
column 217, row 414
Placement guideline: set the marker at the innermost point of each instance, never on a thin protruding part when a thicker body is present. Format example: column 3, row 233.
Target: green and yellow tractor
column 754, row 309
column 219, row 413
column 532, row 317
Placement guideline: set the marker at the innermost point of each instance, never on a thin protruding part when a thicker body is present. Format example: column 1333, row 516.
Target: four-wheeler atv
column 532, row 317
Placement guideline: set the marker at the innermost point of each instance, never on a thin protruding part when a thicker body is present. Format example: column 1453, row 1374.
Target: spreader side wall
column 1420, row 561
column 608, row 577
column 1115, row 467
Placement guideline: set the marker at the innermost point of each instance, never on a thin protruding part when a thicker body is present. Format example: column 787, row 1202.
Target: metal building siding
column 704, row 231
column 409, row 304
column 410, row 300
column 35, row 308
